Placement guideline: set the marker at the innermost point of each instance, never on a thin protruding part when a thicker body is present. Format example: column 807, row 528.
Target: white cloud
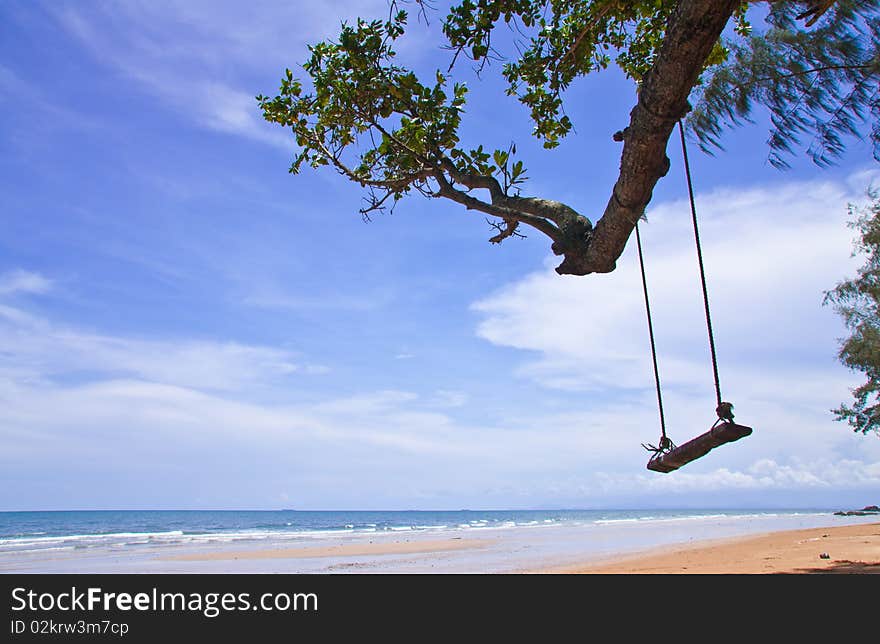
column 375, row 449
column 764, row 474
column 202, row 58
column 21, row 281
column 37, row 349
column 172, row 413
column 273, row 298
column 229, row 110
column 366, row 404
column 770, row 253
column 448, row 398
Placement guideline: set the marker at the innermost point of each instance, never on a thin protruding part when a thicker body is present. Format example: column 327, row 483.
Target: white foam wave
column 89, row 537
column 121, row 540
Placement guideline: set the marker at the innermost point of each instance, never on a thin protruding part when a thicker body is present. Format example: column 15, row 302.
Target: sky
column 183, row 324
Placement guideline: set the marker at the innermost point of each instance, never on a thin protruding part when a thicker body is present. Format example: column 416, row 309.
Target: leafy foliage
column 815, row 67
column 858, row 302
column 818, row 82
column 382, row 127
column 357, row 89
column 376, row 122
column 562, row 40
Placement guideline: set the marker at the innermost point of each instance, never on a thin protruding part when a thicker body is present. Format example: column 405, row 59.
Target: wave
column 21, row 538
column 97, row 535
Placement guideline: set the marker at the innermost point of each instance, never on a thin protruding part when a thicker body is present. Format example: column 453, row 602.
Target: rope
column 724, row 410
column 664, row 441
column 687, row 170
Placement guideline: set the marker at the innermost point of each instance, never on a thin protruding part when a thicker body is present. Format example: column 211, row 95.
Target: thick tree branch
column 555, row 211
column 472, row 181
column 447, row 190
column 693, row 31
column 560, row 214
column 569, row 234
column 413, row 154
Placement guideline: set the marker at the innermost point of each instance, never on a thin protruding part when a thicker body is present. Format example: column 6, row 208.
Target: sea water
column 33, row 532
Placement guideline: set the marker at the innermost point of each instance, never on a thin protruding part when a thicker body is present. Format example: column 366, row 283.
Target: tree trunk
column 693, row 31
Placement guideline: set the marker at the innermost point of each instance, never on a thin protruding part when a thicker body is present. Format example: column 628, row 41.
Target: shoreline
column 371, row 549
column 692, row 545
column 850, row 549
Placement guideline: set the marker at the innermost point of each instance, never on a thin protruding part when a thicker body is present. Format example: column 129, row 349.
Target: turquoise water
column 74, row 530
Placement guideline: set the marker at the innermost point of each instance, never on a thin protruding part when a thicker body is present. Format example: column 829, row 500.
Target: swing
column 666, row 456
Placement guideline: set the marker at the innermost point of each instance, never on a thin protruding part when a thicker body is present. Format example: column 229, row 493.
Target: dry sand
column 850, row 549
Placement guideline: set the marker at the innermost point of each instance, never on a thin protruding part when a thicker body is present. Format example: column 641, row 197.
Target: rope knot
column 725, row 411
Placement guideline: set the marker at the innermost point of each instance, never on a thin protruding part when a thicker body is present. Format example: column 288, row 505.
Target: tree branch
column 693, row 31
column 396, row 184
column 447, row 190
column 508, row 229
column 472, row 181
column 577, row 41
column 555, row 211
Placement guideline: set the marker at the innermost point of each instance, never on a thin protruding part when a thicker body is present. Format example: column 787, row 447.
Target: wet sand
column 339, row 550
column 718, row 544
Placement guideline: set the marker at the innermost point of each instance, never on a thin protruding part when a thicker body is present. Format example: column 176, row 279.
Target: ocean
column 120, row 530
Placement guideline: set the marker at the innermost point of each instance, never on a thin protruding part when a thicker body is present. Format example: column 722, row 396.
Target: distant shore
column 840, row 549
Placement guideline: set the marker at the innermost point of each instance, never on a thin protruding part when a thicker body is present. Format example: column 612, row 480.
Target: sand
column 341, row 550
column 714, row 545
column 850, row 549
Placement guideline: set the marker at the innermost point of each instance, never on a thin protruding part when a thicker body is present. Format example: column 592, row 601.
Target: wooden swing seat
column 724, row 432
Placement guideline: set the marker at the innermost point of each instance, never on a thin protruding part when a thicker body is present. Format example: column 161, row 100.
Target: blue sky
column 185, row 325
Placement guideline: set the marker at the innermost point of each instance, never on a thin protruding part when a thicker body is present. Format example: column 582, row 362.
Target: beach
column 849, row 549
column 628, row 542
